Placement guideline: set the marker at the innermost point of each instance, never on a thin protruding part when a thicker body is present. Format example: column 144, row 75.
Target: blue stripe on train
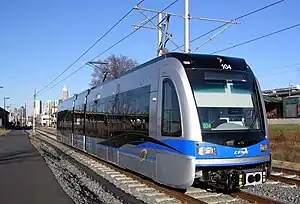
column 188, row 147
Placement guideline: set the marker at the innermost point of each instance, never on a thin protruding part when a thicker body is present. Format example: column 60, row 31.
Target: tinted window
column 64, row 121
column 119, row 114
column 171, row 121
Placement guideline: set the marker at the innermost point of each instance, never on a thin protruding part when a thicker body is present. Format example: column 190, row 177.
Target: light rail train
column 177, row 119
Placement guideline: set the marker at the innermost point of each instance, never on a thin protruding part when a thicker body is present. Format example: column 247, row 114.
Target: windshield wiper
column 242, row 141
column 254, row 120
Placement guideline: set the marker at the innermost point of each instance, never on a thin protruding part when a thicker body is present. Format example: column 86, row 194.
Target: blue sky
column 39, row 39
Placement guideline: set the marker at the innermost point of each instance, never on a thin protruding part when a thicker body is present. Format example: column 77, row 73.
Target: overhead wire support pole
column 34, row 113
column 214, row 36
column 163, row 22
column 186, row 26
column 160, row 34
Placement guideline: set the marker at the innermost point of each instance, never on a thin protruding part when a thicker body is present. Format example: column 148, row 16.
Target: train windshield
column 226, row 100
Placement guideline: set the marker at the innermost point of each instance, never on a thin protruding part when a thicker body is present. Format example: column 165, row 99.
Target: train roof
column 188, row 60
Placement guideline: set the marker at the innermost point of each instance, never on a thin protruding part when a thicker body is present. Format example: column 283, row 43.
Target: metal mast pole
column 160, row 16
column 25, row 117
column 33, row 125
column 186, row 26
column 4, row 118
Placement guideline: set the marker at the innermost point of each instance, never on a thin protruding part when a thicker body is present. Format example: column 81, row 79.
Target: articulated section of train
column 177, row 119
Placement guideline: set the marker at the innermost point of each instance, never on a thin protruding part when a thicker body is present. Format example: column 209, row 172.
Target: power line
column 133, row 31
column 93, row 45
column 245, row 15
column 286, row 72
column 109, row 48
column 258, row 38
column 286, row 66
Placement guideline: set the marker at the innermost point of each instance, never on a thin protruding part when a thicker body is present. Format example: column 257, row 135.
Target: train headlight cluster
column 207, row 151
column 264, row 147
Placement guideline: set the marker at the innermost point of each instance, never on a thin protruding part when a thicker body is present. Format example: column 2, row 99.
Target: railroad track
column 137, row 184
column 288, row 176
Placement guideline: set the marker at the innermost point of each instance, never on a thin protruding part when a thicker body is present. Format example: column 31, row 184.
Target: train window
column 171, row 121
column 78, row 121
column 123, row 113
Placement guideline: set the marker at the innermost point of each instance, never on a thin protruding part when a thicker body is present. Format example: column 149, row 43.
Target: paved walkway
column 24, row 175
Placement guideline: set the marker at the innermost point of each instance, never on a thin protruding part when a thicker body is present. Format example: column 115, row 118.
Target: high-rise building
column 48, row 116
column 38, row 107
column 65, row 93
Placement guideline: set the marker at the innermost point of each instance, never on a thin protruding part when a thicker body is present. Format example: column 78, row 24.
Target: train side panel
column 177, row 122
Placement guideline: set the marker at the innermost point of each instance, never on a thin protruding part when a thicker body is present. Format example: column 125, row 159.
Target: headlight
column 264, row 147
column 207, row 151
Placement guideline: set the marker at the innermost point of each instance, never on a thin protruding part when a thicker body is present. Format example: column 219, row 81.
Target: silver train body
column 149, row 121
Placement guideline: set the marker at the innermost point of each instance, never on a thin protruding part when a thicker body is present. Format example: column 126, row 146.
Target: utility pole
column 25, row 115
column 4, row 118
column 186, row 26
column 33, row 125
column 49, row 104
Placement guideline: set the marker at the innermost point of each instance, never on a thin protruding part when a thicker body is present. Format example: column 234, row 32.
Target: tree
column 114, row 66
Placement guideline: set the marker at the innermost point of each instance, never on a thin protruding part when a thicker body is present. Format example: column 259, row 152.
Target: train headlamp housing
column 264, row 147
column 207, row 151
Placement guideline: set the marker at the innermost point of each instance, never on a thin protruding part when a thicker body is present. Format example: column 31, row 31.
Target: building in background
column 38, row 107
column 49, row 110
column 4, row 116
column 65, row 93
column 29, row 120
column 17, row 116
column 283, row 102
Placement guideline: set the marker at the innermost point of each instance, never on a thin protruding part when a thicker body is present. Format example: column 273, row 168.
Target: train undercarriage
column 232, row 178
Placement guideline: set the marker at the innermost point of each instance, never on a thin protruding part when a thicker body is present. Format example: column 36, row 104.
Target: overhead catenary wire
column 285, row 72
column 286, row 66
column 258, row 38
column 133, row 31
column 240, row 17
column 89, row 48
column 109, row 48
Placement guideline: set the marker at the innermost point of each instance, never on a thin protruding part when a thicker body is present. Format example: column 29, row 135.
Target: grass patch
column 285, row 142
column 4, row 131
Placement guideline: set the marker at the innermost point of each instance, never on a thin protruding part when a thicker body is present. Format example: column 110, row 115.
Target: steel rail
column 172, row 193
column 253, row 198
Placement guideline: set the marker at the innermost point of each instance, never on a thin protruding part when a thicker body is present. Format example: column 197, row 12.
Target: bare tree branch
column 115, row 67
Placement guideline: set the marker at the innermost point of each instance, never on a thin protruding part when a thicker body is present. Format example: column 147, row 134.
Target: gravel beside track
column 278, row 191
column 75, row 182
column 125, row 188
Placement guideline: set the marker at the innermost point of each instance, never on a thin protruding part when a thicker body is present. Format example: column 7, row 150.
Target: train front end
column 234, row 150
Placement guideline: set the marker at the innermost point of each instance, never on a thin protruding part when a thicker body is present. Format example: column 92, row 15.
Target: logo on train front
column 241, row 152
